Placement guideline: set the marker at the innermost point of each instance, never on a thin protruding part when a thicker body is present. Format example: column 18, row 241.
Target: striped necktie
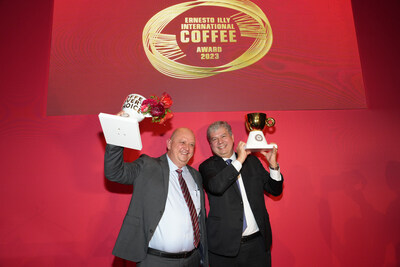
column 192, row 209
column 228, row 162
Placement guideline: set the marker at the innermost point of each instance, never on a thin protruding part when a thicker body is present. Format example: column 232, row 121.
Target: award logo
column 199, row 39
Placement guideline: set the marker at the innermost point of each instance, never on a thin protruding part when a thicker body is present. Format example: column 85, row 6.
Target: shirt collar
column 173, row 167
column 233, row 157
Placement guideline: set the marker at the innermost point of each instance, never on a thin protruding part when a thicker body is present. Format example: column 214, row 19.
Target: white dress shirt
column 174, row 232
column 252, row 226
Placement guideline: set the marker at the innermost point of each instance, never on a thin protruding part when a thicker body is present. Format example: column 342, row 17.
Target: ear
column 169, row 144
column 233, row 138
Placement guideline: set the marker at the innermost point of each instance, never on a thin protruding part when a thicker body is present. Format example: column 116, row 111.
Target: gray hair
column 216, row 125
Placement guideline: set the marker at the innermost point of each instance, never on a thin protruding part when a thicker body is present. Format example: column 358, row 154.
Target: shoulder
column 146, row 160
column 147, row 157
column 252, row 159
column 192, row 170
column 253, row 164
column 212, row 166
column 211, row 160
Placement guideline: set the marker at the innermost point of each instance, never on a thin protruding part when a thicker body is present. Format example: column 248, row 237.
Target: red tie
column 192, row 209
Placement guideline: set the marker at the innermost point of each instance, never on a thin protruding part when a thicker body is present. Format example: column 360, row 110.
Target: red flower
column 149, row 102
column 144, row 108
column 157, row 110
column 167, row 116
column 166, row 100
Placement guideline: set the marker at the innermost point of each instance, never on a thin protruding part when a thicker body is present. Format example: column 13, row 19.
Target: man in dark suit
column 164, row 224
column 238, row 227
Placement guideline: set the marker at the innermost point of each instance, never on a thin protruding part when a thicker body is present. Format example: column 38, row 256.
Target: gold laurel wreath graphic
column 163, row 50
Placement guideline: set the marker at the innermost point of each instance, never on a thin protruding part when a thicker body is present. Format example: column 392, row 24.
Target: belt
column 163, row 254
column 249, row 237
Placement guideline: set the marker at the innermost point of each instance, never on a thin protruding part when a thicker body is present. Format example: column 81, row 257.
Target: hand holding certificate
column 123, row 129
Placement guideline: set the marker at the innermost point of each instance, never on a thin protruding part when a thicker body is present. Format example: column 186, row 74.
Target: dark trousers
column 156, row 261
column 251, row 254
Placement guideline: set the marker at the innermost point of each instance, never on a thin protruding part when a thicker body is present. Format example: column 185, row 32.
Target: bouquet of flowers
column 158, row 108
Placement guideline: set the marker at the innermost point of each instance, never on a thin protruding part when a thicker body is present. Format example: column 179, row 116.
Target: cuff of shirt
column 275, row 174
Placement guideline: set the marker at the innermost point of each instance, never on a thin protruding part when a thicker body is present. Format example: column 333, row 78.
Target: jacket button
column 151, row 230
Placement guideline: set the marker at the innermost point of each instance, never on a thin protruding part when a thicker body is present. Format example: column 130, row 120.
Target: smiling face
column 181, row 146
column 221, row 142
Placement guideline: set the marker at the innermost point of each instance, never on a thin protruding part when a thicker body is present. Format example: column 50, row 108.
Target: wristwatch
column 276, row 168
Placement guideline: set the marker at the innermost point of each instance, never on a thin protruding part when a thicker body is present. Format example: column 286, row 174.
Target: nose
column 185, row 146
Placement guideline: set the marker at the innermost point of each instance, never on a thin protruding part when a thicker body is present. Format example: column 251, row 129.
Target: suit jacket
column 149, row 177
column 225, row 219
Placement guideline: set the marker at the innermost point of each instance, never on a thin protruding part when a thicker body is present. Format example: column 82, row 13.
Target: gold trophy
column 255, row 123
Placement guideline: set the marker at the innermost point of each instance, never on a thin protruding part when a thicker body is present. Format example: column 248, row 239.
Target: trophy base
column 258, row 149
column 256, row 142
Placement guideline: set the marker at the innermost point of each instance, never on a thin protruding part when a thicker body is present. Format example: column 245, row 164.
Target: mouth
column 223, row 146
column 185, row 153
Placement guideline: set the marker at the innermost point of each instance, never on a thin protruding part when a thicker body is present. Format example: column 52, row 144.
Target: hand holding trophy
column 255, row 124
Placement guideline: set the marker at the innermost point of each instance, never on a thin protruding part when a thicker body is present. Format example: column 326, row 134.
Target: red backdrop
column 341, row 201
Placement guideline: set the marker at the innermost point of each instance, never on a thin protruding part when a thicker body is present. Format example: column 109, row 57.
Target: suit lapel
column 221, row 164
column 195, row 177
column 165, row 171
column 197, row 181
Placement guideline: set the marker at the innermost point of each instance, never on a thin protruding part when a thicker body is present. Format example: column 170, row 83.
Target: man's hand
column 271, row 157
column 122, row 114
column 242, row 153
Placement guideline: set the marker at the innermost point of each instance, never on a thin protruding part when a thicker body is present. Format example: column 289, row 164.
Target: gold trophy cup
column 255, row 123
